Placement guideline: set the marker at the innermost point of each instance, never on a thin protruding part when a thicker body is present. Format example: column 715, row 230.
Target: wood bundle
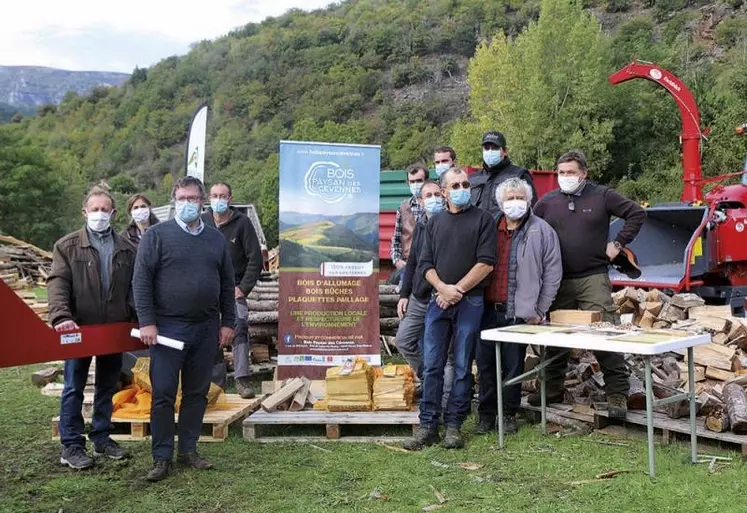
column 393, row 388
column 260, row 353
column 349, row 389
column 292, row 395
column 23, row 265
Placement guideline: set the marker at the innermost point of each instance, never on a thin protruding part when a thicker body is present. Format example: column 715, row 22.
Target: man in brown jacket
column 90, row 284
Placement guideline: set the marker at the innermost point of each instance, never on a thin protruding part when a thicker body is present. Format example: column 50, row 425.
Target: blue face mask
column 434, row 205
column 219, row 205
column 442, row 168
column 187, row 211
column 415, row 188
column 460, row 197
column 492, row 157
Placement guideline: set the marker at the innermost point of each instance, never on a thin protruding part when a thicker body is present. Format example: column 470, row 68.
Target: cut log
column 263, row 330
column 285, row 393
column 717, row 420
column 708, row 403
column 618, row 297
column 653, row 296
column 715, row 324
column 661, row 325
column 300, row 398
column 262, row 306
column 672, row 313
column 575, row 317
column 720, row 338
column 635, row 295
column 670, row 365
column 713, row 355
column 686, row 301
column 738, row 330
column 628, row 306
column 636, row 394
column 262, row 318
column 718, row 374
column 647, row 320
column 697, row 312
column 653, row 307
column 736, row 405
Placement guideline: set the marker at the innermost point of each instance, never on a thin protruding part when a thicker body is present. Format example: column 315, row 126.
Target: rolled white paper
column 164, row 341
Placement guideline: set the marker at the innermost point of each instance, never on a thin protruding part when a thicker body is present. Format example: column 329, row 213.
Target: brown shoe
column 191, row 459
column 159, row 472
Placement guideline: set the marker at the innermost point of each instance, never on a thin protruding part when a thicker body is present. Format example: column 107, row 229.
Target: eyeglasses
column 460, row 185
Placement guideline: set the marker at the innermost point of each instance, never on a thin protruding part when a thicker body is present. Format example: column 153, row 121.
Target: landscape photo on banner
column 329, row 265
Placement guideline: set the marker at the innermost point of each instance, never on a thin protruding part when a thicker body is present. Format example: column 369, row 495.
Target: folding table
column 643, row 343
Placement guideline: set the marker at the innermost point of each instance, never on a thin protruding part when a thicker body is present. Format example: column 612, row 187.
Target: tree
column 33, row 193
column 545, row 90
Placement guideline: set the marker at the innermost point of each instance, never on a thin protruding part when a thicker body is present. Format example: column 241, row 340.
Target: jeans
column 195, row 363
column 71, row 404
column 242, row 359
column 459, row 324
column 512, row 365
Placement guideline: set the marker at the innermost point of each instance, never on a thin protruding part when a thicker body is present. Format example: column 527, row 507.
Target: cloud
column 81, row 35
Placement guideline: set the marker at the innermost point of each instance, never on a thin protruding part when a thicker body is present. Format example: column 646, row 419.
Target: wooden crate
column 332, row 422
column 215, row 423
column 669, row 427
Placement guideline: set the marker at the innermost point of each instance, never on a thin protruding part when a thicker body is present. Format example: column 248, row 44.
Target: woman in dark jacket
column 138, row 206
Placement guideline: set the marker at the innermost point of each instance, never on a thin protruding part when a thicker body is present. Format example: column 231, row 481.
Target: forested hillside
column 406, row 74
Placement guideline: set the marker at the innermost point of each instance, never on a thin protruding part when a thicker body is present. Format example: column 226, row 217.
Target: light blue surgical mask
column 219, row 205
column 459, row 197
column 415, row 188
column 187, row 211
column 434, row 204
column 492, row 157
column 442, row 168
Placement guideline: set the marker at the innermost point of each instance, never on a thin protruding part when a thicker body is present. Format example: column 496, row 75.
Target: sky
column 102, row 35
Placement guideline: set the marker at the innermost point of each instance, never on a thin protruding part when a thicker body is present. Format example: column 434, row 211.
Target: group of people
column 186, row 279
column 480, row 251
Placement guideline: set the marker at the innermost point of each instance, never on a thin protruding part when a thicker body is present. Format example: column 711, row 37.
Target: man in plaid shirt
column 408, row 214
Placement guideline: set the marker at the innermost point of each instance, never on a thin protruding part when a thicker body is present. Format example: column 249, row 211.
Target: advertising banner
column 196, row 143
column 329, row 256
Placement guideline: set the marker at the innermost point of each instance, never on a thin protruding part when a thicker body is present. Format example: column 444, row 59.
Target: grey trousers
column 409, row 342
column 242, row 359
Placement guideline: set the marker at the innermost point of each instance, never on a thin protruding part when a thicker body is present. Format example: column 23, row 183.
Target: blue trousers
column 71, row 404
column 459, row 324
column 195, row 363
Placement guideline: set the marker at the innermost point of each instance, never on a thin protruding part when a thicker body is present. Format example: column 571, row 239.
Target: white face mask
column 140, row 215
column 515, row 209
column 569, row 184
column 98, row 221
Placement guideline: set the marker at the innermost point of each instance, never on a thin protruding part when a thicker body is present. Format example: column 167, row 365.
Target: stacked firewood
column 23, row 265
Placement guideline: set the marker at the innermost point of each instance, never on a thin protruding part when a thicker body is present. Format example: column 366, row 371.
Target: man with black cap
column 496, row 168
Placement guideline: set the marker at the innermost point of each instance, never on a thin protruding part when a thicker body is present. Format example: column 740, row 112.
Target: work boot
column 453, row 438
column 111, row 450
column 159, row 472
column 425, row 437
column 617, row 406
column 192, row 459
column 244, row 388
column 510, row 426
column 535, row 399
column 486, row 424
column 75, row 457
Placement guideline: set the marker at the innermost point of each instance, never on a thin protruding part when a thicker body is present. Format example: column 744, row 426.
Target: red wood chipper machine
column 698, row 244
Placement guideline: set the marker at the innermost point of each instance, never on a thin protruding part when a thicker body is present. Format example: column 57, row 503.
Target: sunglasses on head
column 460, row 185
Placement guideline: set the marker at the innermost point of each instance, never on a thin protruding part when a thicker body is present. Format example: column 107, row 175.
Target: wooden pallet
column 669, row 427
column 215, row 423
column 332, row 421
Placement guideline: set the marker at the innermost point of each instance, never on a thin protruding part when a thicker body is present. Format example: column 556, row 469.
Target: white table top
column 596, row 339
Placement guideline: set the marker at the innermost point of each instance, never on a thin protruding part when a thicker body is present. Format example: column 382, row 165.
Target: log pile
column 23, row 265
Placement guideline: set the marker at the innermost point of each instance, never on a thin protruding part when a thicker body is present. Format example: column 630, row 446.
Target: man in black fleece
column 246, row 256
column 458, row 255
column 496, row 169
column 183, row 287
column 580, row 213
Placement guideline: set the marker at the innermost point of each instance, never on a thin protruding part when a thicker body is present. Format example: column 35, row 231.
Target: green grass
column 534, row 474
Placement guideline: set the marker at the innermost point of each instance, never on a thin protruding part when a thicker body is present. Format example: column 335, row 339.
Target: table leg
column 499, row 393
column 650, row 416
column 691, row 384
column 543, row 391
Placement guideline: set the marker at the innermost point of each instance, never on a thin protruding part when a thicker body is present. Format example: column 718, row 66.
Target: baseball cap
column 494, row 137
